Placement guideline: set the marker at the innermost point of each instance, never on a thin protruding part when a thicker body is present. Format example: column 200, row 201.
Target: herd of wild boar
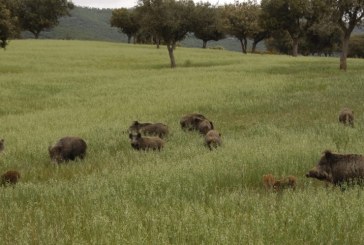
column 333, row 168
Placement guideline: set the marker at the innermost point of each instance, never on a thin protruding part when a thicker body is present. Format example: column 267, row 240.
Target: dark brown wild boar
column 67, row 148
column 10, row 177
column 190, row 121
column 346, row 117
column 205, row 126
column 136, row 126
column 338, row 168
column 145, row 143
column 213, row 139
column 2, row 145
column 152, row 129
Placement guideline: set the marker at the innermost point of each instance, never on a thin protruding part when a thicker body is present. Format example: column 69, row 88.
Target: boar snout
column 320, row 175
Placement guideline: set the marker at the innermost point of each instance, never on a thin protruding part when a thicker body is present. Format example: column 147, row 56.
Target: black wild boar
column 2, row 145
column 212, row 139
column 68, row 148
column 153, row 129
column 190, row 121
column 346, row 117
column 338, row 168
column 10, row 177
column 205, row 126
column 145, row 143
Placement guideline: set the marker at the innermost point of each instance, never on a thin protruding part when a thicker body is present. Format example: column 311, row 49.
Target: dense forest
column 94, row 24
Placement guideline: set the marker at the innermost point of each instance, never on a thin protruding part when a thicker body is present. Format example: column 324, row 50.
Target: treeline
column 290, row 26
column 307, row 27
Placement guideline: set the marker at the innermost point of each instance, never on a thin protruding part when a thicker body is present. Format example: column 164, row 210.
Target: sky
column 127, row 3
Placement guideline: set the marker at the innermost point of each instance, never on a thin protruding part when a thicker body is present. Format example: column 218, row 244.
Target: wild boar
column 212, row 139
column 346, row 117
column 136, row 126
column 268, row 181
column 190, row 121
column 2, row 145
column 10, row 177
column 145, row 143
column 67, row 148
column 339, row 168
column 153, row 129
column 205, row 126
column 284, row 183
column 271, row 183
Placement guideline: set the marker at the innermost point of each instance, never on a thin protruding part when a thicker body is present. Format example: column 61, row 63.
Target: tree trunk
column 344, row 52
column 254, row 47
column 36, row 34
column 158, row 41
column 295, row 47
column 129, row 38
column 204, row 44
column 243, row 45
column 171, row 55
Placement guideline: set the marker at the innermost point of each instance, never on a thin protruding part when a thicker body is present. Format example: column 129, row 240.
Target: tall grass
column 276, row 114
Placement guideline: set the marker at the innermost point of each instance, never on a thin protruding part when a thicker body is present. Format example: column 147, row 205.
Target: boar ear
column 212, row 125
column 328, row 154
column 130, row 136
column 2, row 141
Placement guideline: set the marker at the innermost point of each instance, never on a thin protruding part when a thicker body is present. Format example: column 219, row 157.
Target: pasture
column 277, row 114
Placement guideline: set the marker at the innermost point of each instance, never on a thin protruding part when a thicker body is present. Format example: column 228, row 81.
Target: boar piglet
column 145, row 143
column 346, row 117
column 2, row 145
column 67, row 148
column 338, row 168
column 212, row 139
column 10, row 177
column 271, row 183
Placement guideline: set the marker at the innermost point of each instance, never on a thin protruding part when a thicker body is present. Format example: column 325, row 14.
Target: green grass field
column 277, row 114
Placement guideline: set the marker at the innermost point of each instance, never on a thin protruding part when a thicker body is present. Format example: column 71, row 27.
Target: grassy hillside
column 276, row 114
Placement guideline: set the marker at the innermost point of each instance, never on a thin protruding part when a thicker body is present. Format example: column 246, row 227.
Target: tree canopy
column 289, row 15
column 241, row 21
column 7, row 24
column 207, row 23
column 126, row 20
column 168, row 20
column 347, row 14
column 38, row 15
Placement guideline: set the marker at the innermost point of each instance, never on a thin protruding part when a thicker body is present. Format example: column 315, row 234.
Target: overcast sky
column 127, row 3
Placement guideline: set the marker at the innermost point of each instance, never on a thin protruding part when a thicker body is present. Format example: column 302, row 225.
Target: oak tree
column 126, row 20
column 169, row 20
column 38, row 15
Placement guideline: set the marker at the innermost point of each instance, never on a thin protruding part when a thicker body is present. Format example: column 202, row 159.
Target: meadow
column 277, row 114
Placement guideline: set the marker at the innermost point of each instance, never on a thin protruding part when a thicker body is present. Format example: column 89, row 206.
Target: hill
column 84, row 24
